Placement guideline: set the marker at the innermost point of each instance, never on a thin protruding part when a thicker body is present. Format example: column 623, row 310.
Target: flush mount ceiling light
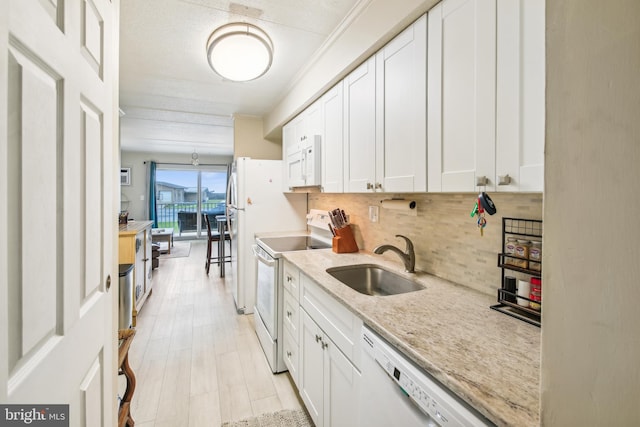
column 239, row 52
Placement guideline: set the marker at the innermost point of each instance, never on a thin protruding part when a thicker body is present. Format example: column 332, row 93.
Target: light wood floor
column 197, row 362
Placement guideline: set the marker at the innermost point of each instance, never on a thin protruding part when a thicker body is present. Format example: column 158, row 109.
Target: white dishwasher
column 396, row 393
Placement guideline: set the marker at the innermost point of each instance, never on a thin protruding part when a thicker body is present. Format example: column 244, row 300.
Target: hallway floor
column 197, row 362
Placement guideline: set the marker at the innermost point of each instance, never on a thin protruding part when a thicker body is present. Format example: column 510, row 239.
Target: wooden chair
column 213, row 236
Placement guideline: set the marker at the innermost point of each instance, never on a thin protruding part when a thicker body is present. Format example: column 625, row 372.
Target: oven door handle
column 269, row 262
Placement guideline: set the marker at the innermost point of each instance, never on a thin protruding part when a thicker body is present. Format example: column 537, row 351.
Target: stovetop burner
column 293, row 243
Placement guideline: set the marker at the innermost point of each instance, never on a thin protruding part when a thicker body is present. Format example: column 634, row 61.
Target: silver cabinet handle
column 482, row 180
column 369, row 186
column 318, row 338
column 504, row 179
column 325, row 345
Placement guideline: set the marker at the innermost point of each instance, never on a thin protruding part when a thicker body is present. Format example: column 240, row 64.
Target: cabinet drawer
column 291, row 353
column 291, row 315
column 291, row 280
column 340, row 324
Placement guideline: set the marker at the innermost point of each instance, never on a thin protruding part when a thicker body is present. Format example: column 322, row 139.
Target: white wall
column 137, row 208
column 591, row 278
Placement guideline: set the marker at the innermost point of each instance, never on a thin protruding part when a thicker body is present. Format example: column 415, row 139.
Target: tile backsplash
column 446, row 239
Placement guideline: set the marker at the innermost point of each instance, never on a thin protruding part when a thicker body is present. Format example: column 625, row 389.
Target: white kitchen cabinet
column 520, row 103
column 332, row 107
column 360, row 129
column 329, row 356
column 461, row 93
column 385, row 117
column 486, row 95
column 401, row 117
column 292, row 321
column 329, row 381
column 298, row 136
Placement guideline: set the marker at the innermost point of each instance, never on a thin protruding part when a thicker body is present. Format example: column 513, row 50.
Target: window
column 182, row 195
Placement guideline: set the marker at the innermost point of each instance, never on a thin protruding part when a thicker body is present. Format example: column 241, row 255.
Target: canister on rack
column 509, row 286
column 510, row 250
column 535, row 293
column 521, row 254
column 535, row 255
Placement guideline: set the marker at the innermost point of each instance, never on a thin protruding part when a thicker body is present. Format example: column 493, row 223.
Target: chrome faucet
column 408, row 256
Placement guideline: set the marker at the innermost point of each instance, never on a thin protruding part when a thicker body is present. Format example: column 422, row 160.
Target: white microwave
column 304, row 166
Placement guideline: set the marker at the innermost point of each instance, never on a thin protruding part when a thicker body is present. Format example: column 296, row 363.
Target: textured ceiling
column 173, row 102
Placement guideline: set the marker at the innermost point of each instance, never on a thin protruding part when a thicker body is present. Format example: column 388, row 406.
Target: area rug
column 284, row 418
column 178, row 250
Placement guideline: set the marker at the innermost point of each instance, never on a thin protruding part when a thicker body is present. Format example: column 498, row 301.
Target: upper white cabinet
column 298, row 137
column 331, row 105
column 462, row 93
column 486, row 95
column 360, row 129
column 401, row 117
column 520, row 95
column 385, row 117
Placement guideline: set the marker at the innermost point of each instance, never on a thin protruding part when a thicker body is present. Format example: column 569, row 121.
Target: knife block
column 343, row 241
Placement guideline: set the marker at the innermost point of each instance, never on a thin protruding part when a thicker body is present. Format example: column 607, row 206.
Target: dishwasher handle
column 260, row 257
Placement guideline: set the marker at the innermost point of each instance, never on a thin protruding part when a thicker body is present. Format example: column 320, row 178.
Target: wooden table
column 125, row 337
column 163, row 235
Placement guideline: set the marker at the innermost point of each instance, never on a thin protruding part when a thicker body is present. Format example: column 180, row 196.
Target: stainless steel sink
column 371, row 279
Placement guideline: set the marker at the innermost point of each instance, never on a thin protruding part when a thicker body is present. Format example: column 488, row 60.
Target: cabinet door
column 461, row 94
column 333, row 134
column 291, row 276
column 520, row 95
column 291, row 355
column 292, row 155
column 401, row 74
column 360, row 129
column 312, row 369
column 342, row 382
column 313, row 123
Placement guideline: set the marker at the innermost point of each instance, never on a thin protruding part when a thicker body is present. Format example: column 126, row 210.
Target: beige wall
column 591, row 320
column 248, row 140
column 446, row 239
column 136, row 207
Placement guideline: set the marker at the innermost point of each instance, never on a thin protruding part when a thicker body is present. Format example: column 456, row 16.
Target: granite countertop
column 133, row 227
column 489, row 359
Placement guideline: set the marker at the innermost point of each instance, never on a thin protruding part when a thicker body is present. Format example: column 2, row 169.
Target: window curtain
column 153, row 211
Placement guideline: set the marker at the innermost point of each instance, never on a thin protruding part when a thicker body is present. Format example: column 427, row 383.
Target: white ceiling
column 173, row 102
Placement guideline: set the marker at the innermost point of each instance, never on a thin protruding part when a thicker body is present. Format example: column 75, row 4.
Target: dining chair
column 213, row 236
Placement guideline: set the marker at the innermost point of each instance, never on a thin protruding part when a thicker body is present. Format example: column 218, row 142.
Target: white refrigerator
column 257, row 204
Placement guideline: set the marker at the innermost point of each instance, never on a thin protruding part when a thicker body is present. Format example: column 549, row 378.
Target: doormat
column 178, row 250
column 284, row 418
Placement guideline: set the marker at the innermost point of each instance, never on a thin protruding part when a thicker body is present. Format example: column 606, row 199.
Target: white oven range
column 269, row 309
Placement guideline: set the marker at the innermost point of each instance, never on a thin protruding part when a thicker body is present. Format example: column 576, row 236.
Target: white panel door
column 360, row 129
column 461, row 94
column 58, row 104
column 401, row 74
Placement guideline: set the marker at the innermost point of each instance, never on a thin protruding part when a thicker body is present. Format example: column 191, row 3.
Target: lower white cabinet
column 329, row 382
